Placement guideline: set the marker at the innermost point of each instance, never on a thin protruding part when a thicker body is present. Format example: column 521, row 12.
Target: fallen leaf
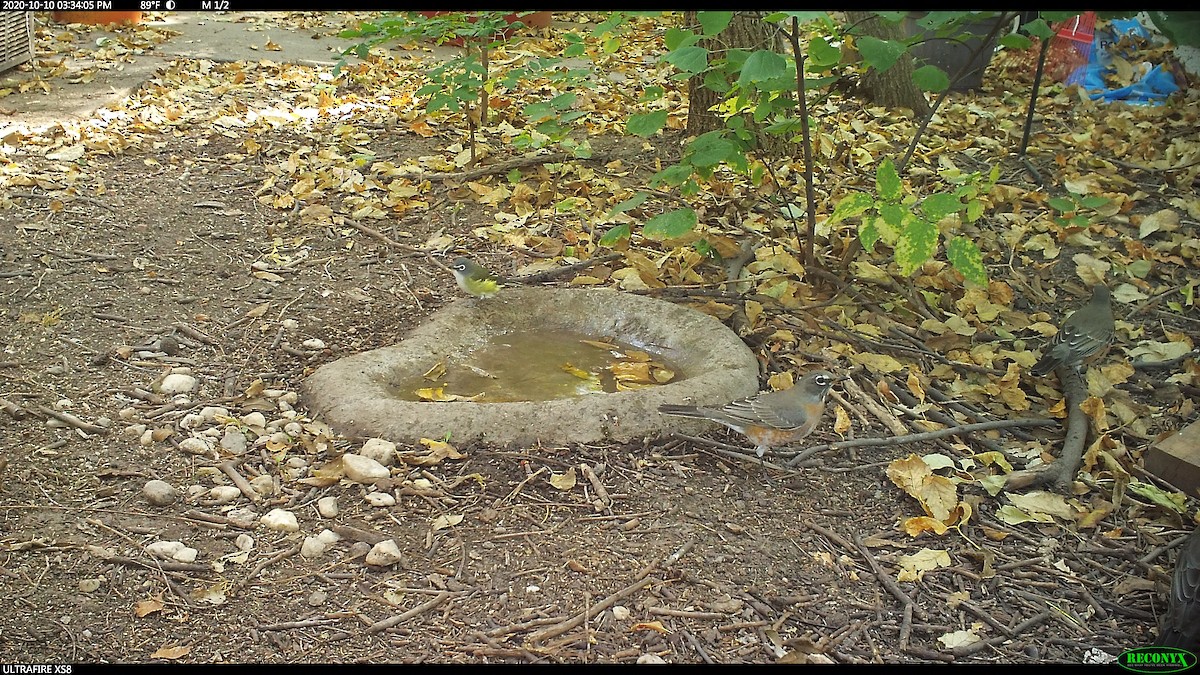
column 171, row 652
column 563, row 481
column 143, row 607
column 445, row 520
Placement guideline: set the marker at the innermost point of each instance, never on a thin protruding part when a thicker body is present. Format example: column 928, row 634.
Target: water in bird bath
column 541, row 365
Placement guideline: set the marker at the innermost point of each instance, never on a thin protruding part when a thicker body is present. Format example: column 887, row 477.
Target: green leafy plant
column 465, row 83
column 912, row 227
column 1073, row 210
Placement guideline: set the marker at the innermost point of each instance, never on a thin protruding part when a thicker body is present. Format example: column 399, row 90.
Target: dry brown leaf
column 143, row 607
column 171, row 653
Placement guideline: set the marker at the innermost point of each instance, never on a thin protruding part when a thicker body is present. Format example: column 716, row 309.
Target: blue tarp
column 1152, row 89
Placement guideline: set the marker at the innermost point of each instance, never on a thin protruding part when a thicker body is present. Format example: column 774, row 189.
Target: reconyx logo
column 1157, row 660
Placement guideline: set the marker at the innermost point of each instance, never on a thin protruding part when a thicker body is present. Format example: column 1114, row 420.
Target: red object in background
column 1071, row 47
column 531, row 20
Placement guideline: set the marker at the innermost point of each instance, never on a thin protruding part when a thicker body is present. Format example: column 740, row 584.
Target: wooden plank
column 1176, row 459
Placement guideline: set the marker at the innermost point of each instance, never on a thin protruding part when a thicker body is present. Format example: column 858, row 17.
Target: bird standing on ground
column 1086, row 333
column 772, row 418
column 473, row 278
column 1180, row 626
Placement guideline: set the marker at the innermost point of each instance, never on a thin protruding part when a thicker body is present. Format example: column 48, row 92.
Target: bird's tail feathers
column 681, row 410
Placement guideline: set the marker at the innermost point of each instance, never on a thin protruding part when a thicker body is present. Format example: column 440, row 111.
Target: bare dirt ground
column 160, row 256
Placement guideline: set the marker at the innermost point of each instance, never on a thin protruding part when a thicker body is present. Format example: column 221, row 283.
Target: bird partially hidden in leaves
column 1180, row 627
column 769, row 419
column 1085, row 335
column 475, row 279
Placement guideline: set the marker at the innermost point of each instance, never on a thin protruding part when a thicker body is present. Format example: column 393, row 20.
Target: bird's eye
column 824, row 380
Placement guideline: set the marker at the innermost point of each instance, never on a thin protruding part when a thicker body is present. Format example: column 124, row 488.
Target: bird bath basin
column 373, row 393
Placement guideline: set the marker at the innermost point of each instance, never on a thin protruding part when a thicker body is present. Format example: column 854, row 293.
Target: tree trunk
column 893, row 88
column 747, row 31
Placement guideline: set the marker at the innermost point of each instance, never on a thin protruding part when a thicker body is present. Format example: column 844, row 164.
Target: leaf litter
column 317, row 156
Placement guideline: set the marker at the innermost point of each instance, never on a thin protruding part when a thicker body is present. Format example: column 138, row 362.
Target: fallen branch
column 415, row 611
column 641, row 581
column 263, row 565
column 1061, row 471
column 923, row 436
column 14, row 411
column 229, row 468
column 72, row 420
column 382, row 237
column 910, row 607
column 564, row 269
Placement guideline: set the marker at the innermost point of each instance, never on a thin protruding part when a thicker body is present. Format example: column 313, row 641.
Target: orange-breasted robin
column 772, row 418
column 1086, row 333
column 1181, row 623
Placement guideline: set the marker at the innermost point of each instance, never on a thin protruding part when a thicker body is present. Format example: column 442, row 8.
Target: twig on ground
column 415, row 611
column 641, row 581
column 72, row 420
column 923, row 436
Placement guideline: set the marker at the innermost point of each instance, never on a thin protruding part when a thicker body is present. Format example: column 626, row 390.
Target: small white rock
column 210, row 413
column 281, row 520
column 363, row 469
column 194, row 492
column 195, row 446
column 255, row 420
column 164, row 549
column 380, row 450
column 186, row 555
column 650, row 658
column 380, row 499
column 224, row 494
column 313, row 343
column 620, row 612
column 192, row 421
column 244, row 542
column 160, row 493
column 127, row 413
column 329, row 536
column 313, row 547
column 290, row 397
column 274, row 393
column 146, row 439
column 384, row 553
column 327, row 507
column 178, row 383
column 133, row 430
column 296, row 462
column 293, row 429
column 234, row 441
column 243, row 518
column 263, row 485
column 290, row 324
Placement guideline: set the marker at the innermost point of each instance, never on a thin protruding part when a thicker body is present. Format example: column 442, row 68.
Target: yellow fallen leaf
column 143, row 607
column 436, row 372
column 445, row 520
column 577, row 372
column 913, row 567
column 878, row 363
column 171, row 652
column 650, row 625
column 915, row 526
column 841, row 421
column 564, row 481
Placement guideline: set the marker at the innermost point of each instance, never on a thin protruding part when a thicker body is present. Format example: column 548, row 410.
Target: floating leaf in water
column 436, row 372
